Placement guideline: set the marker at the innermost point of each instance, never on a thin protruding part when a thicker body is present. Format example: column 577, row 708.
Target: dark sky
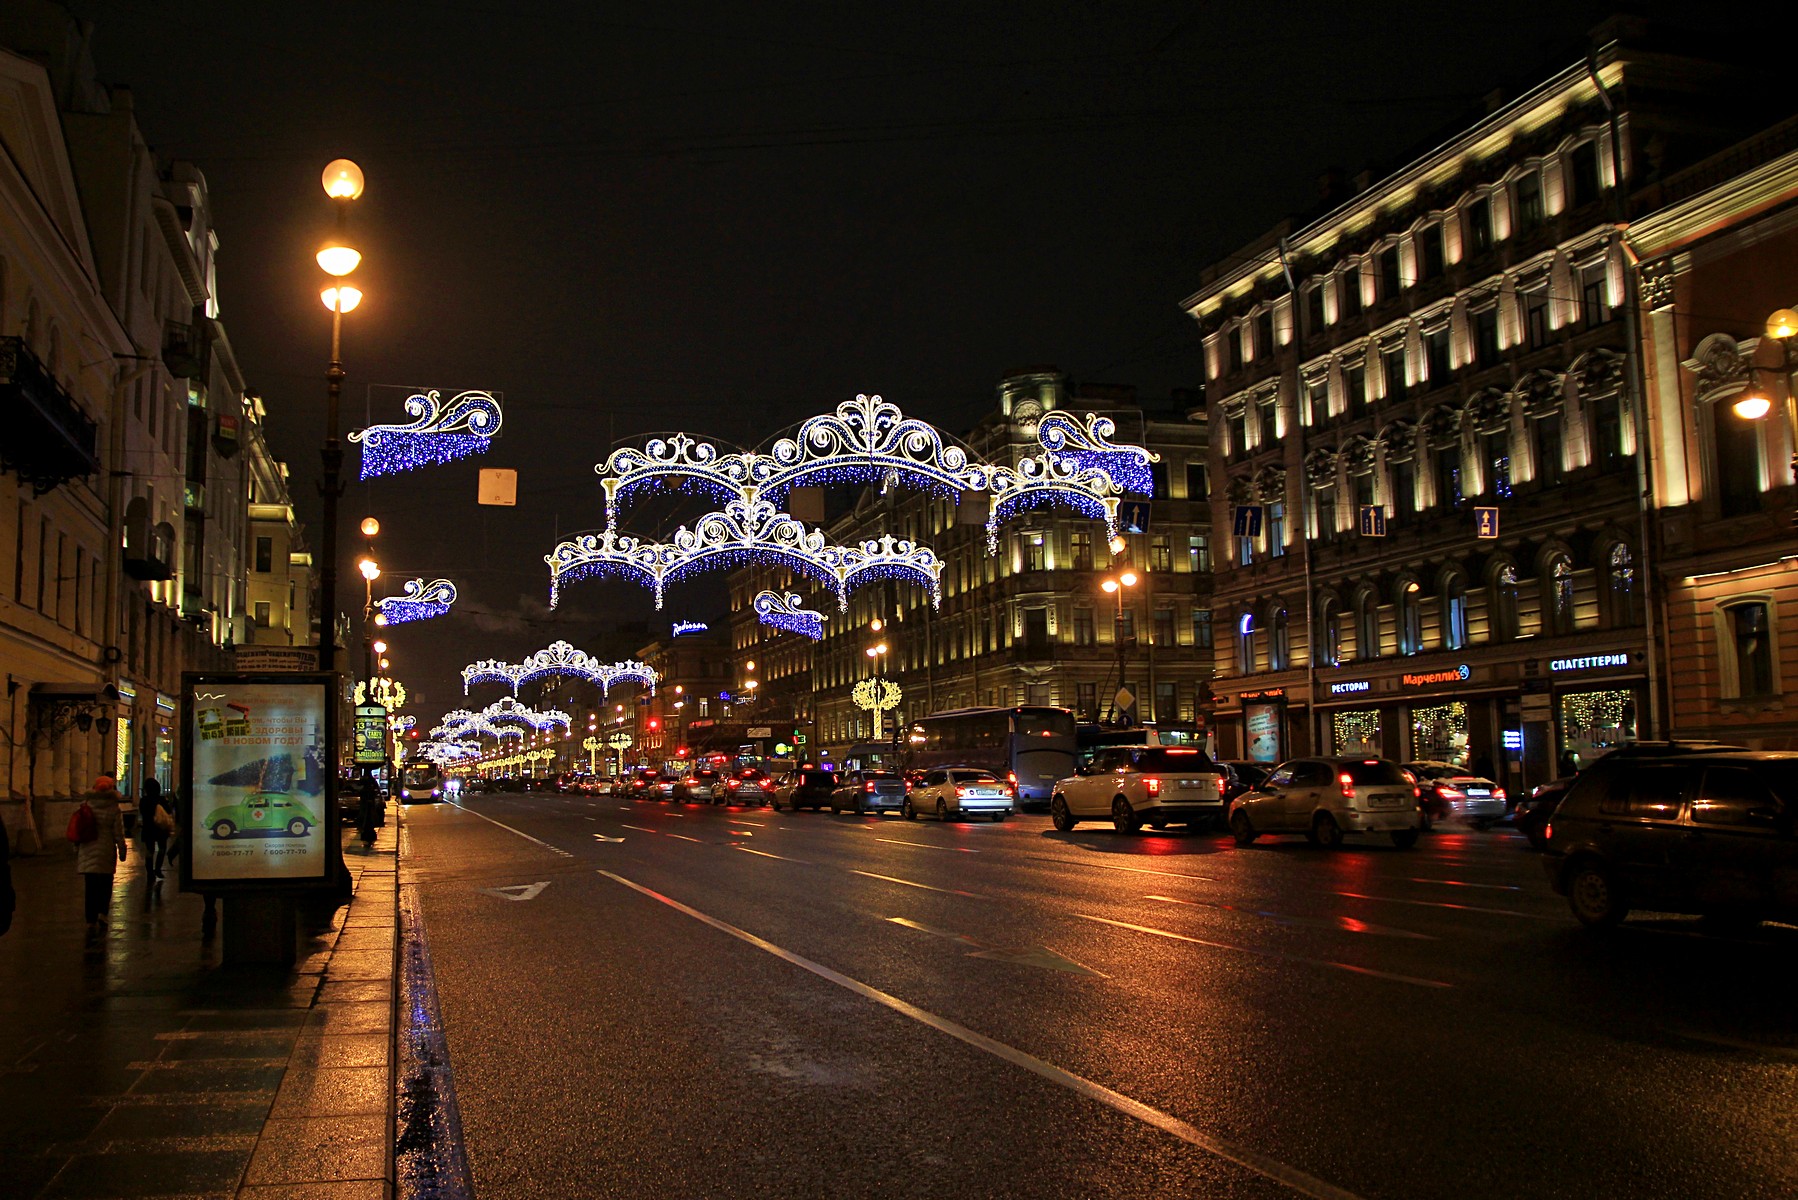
column 725, row 218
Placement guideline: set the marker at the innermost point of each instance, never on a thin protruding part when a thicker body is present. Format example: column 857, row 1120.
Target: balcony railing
column 48, row 439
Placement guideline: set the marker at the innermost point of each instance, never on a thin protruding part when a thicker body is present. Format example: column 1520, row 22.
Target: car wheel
column 907, row 811
column 942, row 811
column 1404, row 839
column 1592, row 895
column 223, row 829
column 1123, row 817
column 1325, row 831
column 1059, row 816
column 297, row 827
column 1242, row 829
column 834, row 810
column 860, row 809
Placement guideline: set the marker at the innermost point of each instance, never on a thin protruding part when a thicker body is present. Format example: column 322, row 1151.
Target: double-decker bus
column 1029, row 746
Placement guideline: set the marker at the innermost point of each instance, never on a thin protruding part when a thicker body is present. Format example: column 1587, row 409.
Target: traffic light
column 655, row 722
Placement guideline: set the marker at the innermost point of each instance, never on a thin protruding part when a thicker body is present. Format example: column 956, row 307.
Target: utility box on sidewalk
column 258, row 805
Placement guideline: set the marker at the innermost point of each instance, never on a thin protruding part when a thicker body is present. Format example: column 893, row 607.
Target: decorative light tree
column 877, row 696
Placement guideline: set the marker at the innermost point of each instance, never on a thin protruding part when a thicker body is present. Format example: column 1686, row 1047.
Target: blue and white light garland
column 420, row 602
column 508, row 711
column 563, row 659
column 442, row 431
column 782, row 611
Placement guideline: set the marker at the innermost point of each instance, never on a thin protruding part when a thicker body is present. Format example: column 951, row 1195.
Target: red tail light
column 1498, row 793
column 1348, row 785
column 868, row 787
column 767, row 785
column 1011, row 783
column 1219, row 781
column 1449, row 793
column 1153, row 785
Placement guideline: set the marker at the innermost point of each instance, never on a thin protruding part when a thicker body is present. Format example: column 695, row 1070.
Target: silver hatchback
column 1327, row 798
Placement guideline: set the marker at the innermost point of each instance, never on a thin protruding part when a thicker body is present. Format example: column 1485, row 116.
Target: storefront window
column 1593, row 722
column 1439, row 733
column 1357, row 732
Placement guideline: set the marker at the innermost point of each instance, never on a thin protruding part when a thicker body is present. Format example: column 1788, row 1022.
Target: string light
column 441, row 431
column 388, row 693
column 782, row 611
column 420, row 601
column 559, row 658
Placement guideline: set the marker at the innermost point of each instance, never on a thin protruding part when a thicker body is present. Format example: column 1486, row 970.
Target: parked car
column 261, row 813
column 640, row 784
column 1451, row 793
column 1534, row 811
column 1327, row 798
column 1143, row 785
column 869, row 792
column 1243, row 776
column 747, row 785
column 956, row 792
column 696, row 784
column 808, row 787
column 1710, row 833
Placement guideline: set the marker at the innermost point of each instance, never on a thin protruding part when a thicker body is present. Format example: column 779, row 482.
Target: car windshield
column 972, row 777
column 880, row 775
column 817, row 777
column 1162, row 760
column 1372, row 770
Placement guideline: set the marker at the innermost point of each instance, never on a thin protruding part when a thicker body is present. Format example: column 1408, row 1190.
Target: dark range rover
column 1708, row 832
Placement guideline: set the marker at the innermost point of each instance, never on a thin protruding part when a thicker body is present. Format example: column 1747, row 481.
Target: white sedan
column 957, row 792
column 1138, row 785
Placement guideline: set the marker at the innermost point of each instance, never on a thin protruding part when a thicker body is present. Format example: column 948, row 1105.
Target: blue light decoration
column 1090, row 446
column 508, row 711
column 441, row 431
column 420, row 601
column 682, row 628
column 559, row 658
column 488, row 670
column 745, row 531
column 474, row 727
column 782, row 611
column 1080, row 468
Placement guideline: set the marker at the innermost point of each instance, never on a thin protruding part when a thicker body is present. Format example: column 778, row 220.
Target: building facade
column 1427, row 437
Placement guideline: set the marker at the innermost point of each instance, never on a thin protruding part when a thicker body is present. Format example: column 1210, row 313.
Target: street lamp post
column 1116, row 585
column 1754, row 404
column 343, row 183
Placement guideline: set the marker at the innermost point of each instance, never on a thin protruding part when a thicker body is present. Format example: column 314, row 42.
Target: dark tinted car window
column 1164, row 760
column 1377, row 771
column 1310, row 774
column 1280, row 778
column 1648, row 791
column 1729, row 794
column 817, row 777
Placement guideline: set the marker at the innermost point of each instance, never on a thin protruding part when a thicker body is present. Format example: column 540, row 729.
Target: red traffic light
column 655, row 723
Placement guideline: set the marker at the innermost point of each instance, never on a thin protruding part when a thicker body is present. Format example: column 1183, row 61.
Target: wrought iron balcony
column 48, row 439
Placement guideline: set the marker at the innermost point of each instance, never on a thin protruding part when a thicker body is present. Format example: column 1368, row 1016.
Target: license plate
column 1189, row 784
column 1479, row 793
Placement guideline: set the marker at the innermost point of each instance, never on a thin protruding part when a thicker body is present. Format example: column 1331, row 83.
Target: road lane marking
column 638, row 828
column 925, row 886
column 741, row 833
column 765, row 854
column 1261, row 1164
column 1496, row 887
column 1315, row 962
column 683, row 837
column 1080, row 862
column 963, row 938
column 926, row 845
column 521, row 833
column 1334, row 924
column 752, row 824
column 589, row 818
column 600, row 837
column 1039, row 956
column 1502, row 912
column 517, row 891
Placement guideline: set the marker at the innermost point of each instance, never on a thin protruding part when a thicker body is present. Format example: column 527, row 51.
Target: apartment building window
column 1389, row 273
column 1392, row 363
column 1505, row 627
column 1083, row 627
column 1161, row 556
column 1404, row 491
column 1158, row 481
column 1497, row 452
column 1245, row 550
column 1410, row 619
column 1329, row 633
column 43, row 553
column 1476, row 223
column 1437, row 357
column 1080, row 546
column 1238, row 420
column 1125, row 626
column 1607, row 434
column 1620, row 578
column 1535, row 316
column 1198, row 481
column 1485, row 335
column 1584, row 183
column 1198, row 554
column 1448, row 476
column 263, row 614
column 1245, row 644
column 1166, row 708
column 1276, row 530
column 1279, row 642
column 1201, row 628
column 1234, row 338
column 1314, row 400
column 1367, row 627
column 1348, row 291
column 1264, row 334
column 1087, row 700
column 1431, row 254
column 1526, row 192
column 1560, row 595
column 1314, row 309
column 1268, row 414
column 1750, row 649
column 1034, row 557
column 80, row 573
column 1738, row 442
column 1454, row 615
column 1354, row 382
column 1164, row 627
column 1325, row 501
column 265, row 554
column 1595, row 294
column 1546, row 434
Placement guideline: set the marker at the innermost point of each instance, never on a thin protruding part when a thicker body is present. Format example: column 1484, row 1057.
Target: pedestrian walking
column 154, row 824
column 100, row 836
column 365, row 810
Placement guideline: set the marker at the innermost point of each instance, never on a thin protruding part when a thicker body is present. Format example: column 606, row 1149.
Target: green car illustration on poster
column 261, row 813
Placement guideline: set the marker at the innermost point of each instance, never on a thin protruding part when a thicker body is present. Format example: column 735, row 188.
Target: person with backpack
column 98, row 830
column 154, row 824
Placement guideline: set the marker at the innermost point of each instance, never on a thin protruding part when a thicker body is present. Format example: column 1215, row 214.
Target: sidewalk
column 134, row 1064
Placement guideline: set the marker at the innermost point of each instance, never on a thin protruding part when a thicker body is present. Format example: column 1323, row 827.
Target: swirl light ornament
column 744, row 531
column 781, row 610
column 441, row 431
column 420, row 601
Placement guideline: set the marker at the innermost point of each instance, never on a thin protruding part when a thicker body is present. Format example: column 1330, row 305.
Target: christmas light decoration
column 440, row 432
column 509, row 710
column 388, row 693
column 1089, row 446
column 420, row 602
column 682, row 628
column 559, row 658
column 745, row 531
column 782, row 611
column 402, row 724
column 476, row 726
column 877, row 696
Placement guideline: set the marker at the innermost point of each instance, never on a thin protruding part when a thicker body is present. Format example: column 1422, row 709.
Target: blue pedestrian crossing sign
column 1248, row 521
column 1485, row 522
column 1373, row 520
column 1133, row 516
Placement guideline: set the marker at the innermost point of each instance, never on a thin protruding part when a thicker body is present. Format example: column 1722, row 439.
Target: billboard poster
column 1262, row 724
column 257, row 797
column 370, row 734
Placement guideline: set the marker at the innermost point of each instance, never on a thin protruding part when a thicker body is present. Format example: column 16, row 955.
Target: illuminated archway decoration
column 782, row 611
column 420, row 601
column 509, row 711
column 476, row 726
column 441, row 431
column 559, row 658
column 743, row 532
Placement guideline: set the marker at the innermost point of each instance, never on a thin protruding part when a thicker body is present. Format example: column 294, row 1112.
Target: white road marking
column 600, row 837
column 1081, row 862
column 1039, row 956
column 1502, row 912
column 926, row 846
column 765, row 854
column 741, row 833
column 590, row 818
column 521, row 833
column 639, row 828
column 755, row 824
column 1260, row 1164
column 1496, row 887
column 1316, row 962
column 963, row 938
column 925, row 886
column 1337, row 924
column 683, row 837
column 518, row 891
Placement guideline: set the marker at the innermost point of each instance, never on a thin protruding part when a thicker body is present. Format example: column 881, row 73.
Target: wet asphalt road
column 734, row 1002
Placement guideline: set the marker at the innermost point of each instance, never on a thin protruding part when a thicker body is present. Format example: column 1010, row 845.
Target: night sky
column 726, row 218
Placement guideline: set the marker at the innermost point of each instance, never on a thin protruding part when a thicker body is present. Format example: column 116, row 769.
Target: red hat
column 105, row 783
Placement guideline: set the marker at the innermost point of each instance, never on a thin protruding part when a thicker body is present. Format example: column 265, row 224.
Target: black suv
column 1682, row 831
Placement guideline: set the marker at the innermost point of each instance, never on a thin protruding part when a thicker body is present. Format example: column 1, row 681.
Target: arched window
column 1621, row 581
column 1454, row 613
column 1329, row 632
column 1367, row 626
column 1245, row 644
column 1504, row 604
column 1748, row 649
column 1559, row 580
column 1410, row 619
column 1279, row 641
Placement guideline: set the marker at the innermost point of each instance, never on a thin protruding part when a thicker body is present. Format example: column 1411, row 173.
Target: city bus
column 1029, row 746
column 421, row 782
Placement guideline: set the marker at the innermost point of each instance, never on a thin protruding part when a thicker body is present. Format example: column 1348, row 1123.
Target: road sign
column 499, row 485
column 1248, row 521
column 1133, row 516
column 759, row 731
column 1485, row 521
column 1373, row 520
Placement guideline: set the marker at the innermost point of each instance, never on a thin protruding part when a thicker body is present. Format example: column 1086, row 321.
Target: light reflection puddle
column 1335, row 924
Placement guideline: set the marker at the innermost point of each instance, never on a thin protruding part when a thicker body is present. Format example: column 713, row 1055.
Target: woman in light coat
column 98, row 859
